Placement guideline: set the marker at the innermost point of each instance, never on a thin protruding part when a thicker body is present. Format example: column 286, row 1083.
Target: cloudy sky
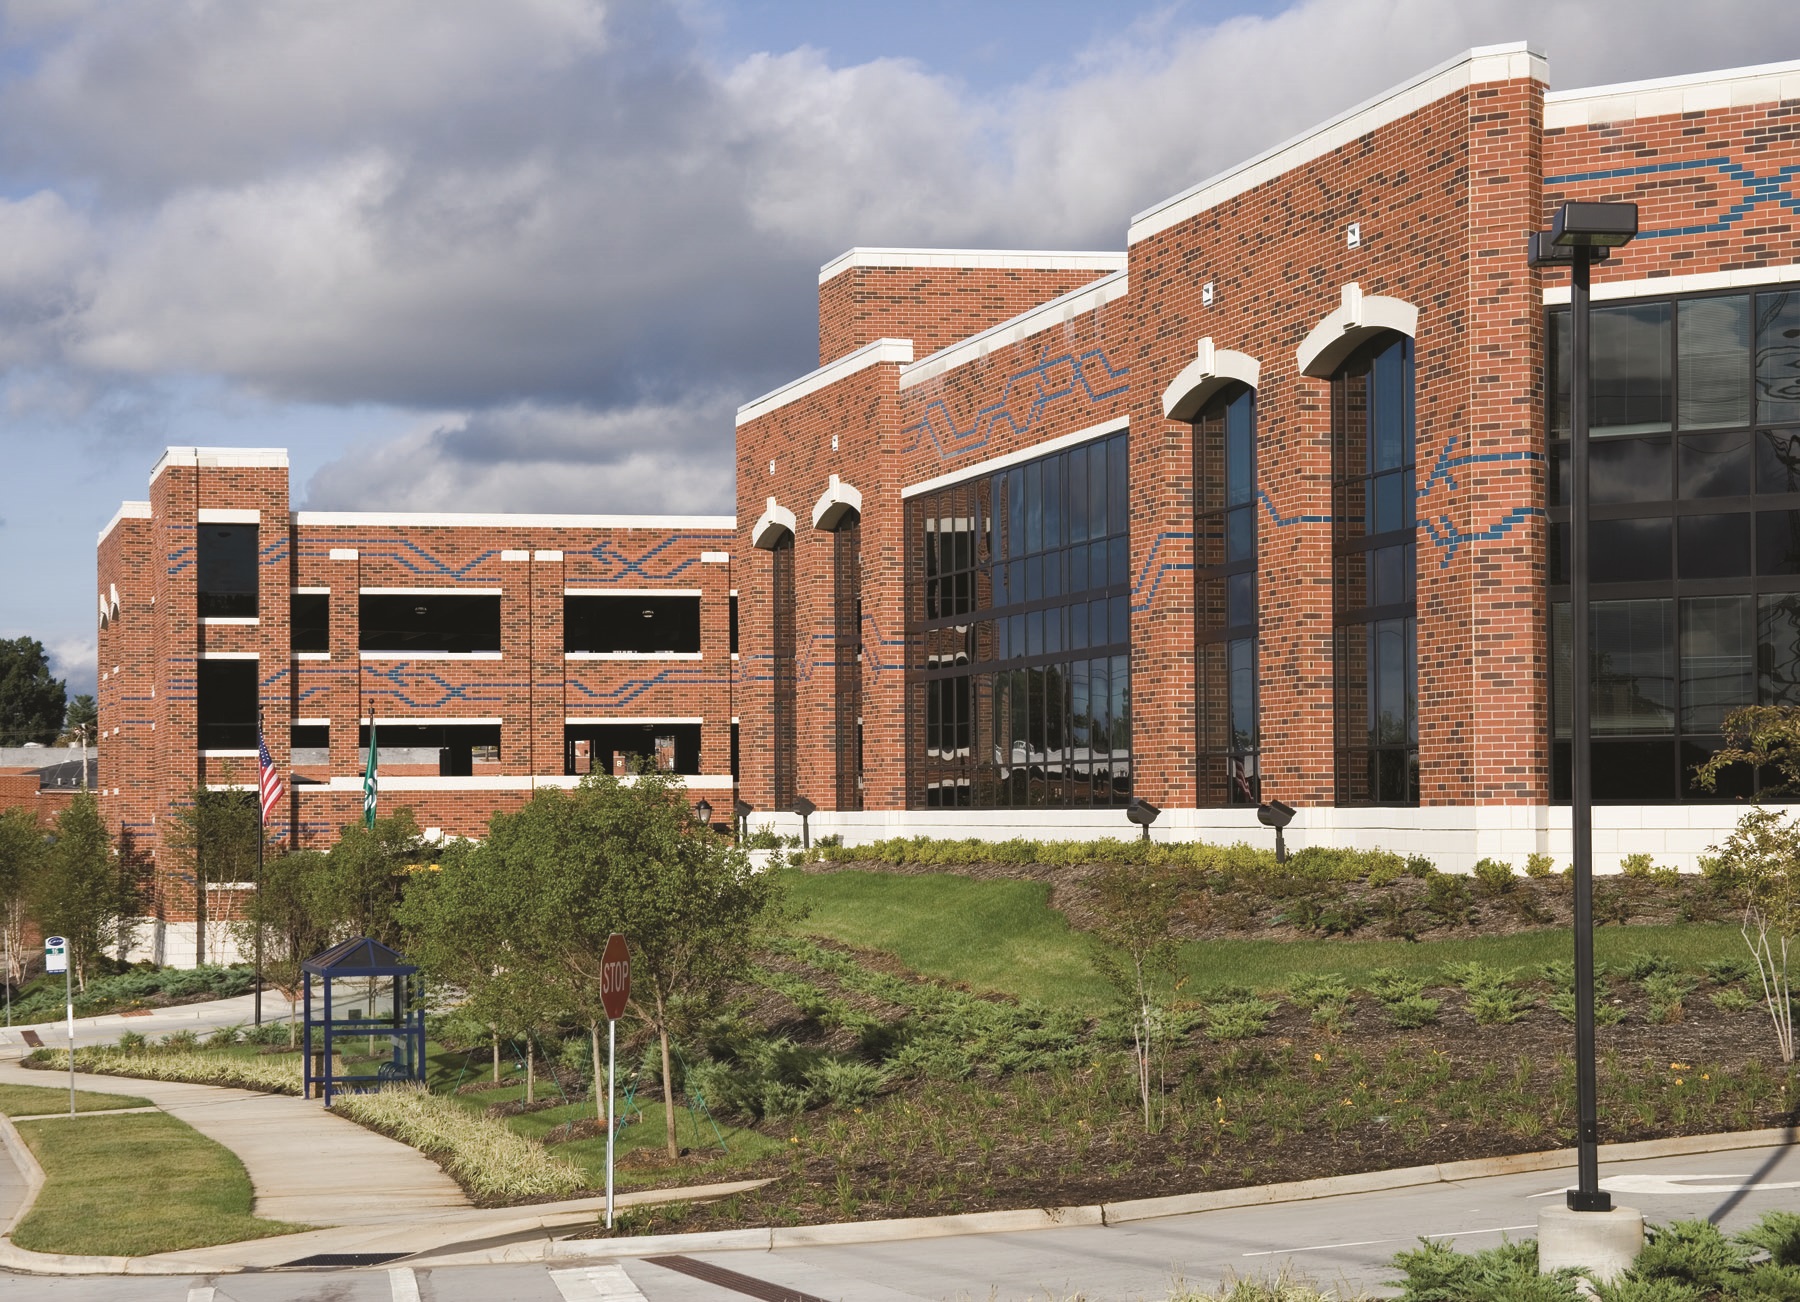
column 530, row 254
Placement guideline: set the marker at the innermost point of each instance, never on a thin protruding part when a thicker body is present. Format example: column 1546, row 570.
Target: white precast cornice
column 482, row 520
column 126, row 511
column 1479, row 66
column 870, row 354
column 1694, row 92
column 220, row 459
column 1098, row 262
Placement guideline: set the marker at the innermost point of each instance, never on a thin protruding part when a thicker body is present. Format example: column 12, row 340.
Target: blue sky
column 458, row 255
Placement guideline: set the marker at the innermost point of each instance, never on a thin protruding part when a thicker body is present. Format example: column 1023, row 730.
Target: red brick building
column 1268, row 505
column 493, row 655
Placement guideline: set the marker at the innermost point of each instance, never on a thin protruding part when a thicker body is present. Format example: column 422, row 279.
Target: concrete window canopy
column 1200, row 380
column 1358, row 318
column 838, row 500
column 775, row 521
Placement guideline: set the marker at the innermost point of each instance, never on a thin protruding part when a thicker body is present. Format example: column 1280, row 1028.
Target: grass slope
column 134, row 1185
column 1002, row 935
column 38, row 1100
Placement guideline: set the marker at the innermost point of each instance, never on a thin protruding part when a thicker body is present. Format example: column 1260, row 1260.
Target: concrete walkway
column 306, row 1165
column 153, row 1023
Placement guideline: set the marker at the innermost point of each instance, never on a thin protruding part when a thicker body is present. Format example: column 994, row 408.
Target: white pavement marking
column 200, row 1294
column 1683, row 1184
column 596, row 1284
column 404, row 1284
column 1365, row 1243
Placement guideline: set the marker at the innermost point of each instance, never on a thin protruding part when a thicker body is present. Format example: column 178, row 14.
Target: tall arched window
column 1225, row 598
column 1374, row 561
column 846, row 563
column 781, row 591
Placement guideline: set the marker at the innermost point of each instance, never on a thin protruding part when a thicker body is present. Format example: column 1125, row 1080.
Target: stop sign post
column 615, row 993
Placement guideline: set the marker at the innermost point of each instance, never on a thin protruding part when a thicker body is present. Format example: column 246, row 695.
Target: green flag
column 369, row 783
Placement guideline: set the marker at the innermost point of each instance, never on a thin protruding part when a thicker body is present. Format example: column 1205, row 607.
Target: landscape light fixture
column 1143, row 813
column 740, row 812
column 1275, row 814
column 703, row 812
column 806, row 809
column 1579, row 236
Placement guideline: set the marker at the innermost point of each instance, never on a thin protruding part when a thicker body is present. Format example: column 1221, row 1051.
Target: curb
column 33, row 1175
column 1144, row 1209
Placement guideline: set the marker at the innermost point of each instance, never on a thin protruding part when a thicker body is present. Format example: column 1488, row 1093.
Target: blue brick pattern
column 1087, row 374
column 1775, row 188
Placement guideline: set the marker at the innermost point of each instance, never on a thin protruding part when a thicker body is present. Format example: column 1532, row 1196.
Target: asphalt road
column 1341, row 1242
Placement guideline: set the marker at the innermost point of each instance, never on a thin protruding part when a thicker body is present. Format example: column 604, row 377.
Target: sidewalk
column 153, row 1023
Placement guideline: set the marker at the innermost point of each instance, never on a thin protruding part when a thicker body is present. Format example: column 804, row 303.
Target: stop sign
column 615, row 976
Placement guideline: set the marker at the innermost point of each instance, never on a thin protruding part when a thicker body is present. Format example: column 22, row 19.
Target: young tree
column 1136, row 954
column 572, row 868
column 23, row 849
column 214, row 838
column 83, row 891
column 1759, row 865
column 78, row 723
column 1767, row 736
column 365, row 874
column 31, row 700
column 293, row 926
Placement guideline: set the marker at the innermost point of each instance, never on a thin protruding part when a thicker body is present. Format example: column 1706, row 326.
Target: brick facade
column 153, row 642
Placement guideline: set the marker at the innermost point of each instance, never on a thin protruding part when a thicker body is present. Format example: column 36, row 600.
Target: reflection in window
column 1696, row 533
column 1375, row 561
column 1019, row 625
column 1225, row 599
column 226, row 570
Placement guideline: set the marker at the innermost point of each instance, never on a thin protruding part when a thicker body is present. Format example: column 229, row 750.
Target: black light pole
column 1143, row 813
column 1580, row 232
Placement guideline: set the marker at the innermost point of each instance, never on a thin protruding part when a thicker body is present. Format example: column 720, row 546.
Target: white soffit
column 1058, row 311
column 1695, row 92
column 1483, row 64
column 960, row 259
column 126, row 511
column 871, row 354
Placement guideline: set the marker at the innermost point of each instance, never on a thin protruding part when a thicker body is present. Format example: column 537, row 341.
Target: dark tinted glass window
column 1225, row 587
column 1633, row 645
column 434, row 621
column 1715, row 362
column 1631, row 365
column 1628, row 469
column 1778, row 358
column 1718, row 659
column 1714, row 546
column 1778, row 649
column 634, row 625
column 311, row 621
column 226, row 570
column 1629, row 551
column 1778, row 542
column 1714, row 465
column 225, row 705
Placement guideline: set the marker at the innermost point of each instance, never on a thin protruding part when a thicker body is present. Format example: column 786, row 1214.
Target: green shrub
column 1648, row 1290
column 1562, row 1003
column 1390, row 986
column 1310, row 992
column 1417, row 865
column 1729, row 970
column 1778, row 1234
column 180, row 1042
column 1539, row 866
column 1495, row 876
column 1240, row 1019
column 1476, row 977
column 1769, row 1283
column 1640, row 966
column 847, row 1083
column 1694, row 1252
column 1733, row 999
column 1666, row 991
column 481, row 1153
column 1447, row 900
column 1640, row 866
column 1435, row 1272
column 132, row 1042
column 225, row 1035
column 1413, row 1011
column 268, row 1033
column 1499, row 1006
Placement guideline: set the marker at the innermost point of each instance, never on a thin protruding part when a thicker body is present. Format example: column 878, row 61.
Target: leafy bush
column 1435, row 1272
column 1495, row 876
column 848, row 1083
column 1390, row 986
column 43, row 1000
column 1310, row 992
column 1539, row 866
column 224, row 1035
column 180, row 1041
column 1778, row 1234
column 1695, row 1253
column 1733, row 999
column 1240, row 1019
column 132, row 1042
column 1562, row 1003
column 1666, row 990
column 1476, row 977
column 1727, row 971
column 480, row 1153
column 1638, row 967
column 267, row 1033
column 1447, row 900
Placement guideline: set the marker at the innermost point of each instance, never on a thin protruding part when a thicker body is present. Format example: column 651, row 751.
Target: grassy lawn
column 134, row 1185
column 1002, row 935
column 36, row 1100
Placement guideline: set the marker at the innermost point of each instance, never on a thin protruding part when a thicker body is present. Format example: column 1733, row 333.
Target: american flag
column 271, row 784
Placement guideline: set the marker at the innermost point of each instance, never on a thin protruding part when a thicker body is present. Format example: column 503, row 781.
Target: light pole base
column 1603, row 1242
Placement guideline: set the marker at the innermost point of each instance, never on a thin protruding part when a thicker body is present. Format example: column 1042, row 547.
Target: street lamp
column 703, row 812
column 1143, row 813
column 806, row 809
column 1579, row 233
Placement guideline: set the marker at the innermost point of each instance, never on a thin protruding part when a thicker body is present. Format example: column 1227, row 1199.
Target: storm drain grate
column 746, row 1284
column 346, row 1259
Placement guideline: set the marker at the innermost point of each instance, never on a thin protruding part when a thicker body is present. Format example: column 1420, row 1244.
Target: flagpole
column 262, row 835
